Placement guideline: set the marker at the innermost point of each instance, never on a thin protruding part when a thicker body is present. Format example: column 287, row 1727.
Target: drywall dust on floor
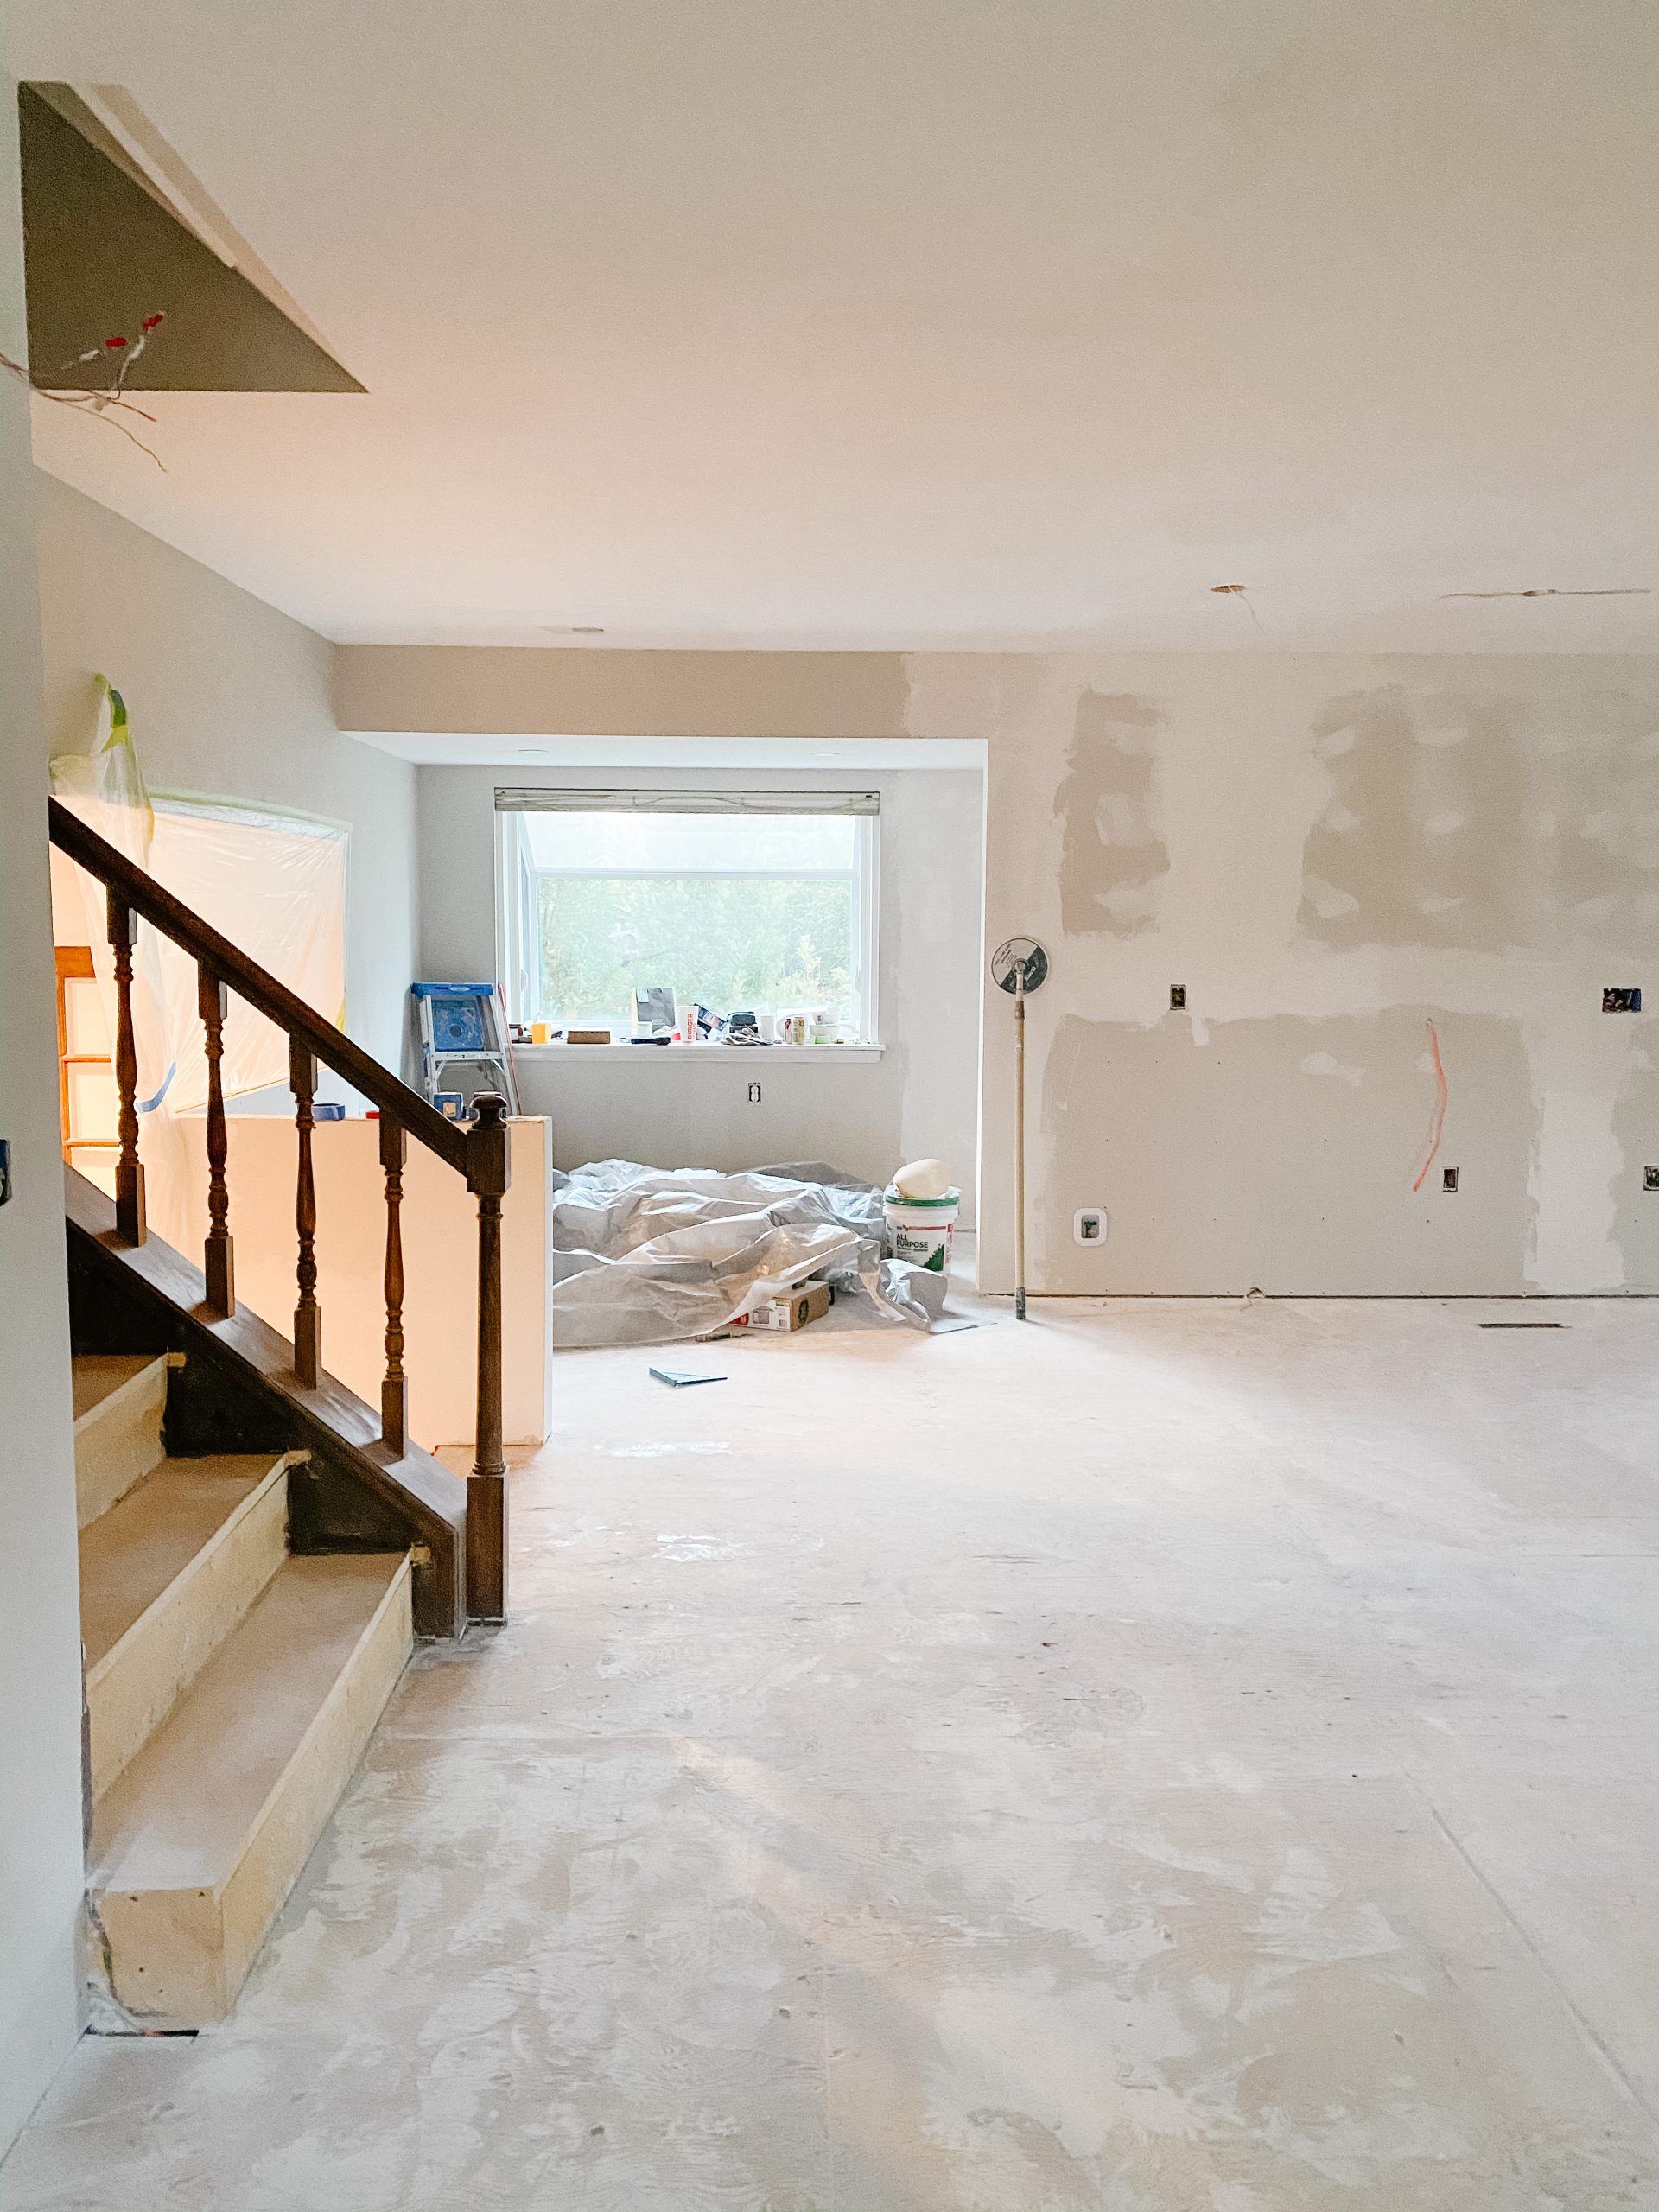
column 1180, row 1757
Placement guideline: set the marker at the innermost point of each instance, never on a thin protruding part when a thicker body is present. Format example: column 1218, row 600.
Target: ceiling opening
column 114, row 231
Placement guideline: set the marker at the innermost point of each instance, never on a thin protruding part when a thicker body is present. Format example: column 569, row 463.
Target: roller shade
column 509, row 799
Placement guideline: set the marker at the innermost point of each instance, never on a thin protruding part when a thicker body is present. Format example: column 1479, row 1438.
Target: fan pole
column 1019, row 967
column 1020, row 1140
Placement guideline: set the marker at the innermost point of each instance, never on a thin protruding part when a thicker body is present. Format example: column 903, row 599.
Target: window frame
column 519, row 878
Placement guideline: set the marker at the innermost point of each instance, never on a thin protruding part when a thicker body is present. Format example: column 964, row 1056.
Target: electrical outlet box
column 1650, row 1179
column 1089, row 1226
column 1620, row 998
column 755, row 1094
column 1176, row 997
column 1448, row 1179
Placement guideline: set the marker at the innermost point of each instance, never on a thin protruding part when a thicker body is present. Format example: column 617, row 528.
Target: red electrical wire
column 121, row 353
column 1439, row 1106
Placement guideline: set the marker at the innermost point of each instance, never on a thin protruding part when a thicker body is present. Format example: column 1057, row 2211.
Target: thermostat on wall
column 1089, row 1226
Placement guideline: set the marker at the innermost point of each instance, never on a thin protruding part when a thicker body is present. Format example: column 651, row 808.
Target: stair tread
column 140, row 1547
column 98, row 1376
column 181, row 1814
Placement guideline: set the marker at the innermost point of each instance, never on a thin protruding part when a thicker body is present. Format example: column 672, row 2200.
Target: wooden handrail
column 138, row 890
column 478, row 1154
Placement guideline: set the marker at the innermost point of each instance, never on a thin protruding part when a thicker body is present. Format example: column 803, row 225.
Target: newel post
column 486, row 1493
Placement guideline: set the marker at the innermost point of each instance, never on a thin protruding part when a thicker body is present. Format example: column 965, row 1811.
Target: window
column 757, row 902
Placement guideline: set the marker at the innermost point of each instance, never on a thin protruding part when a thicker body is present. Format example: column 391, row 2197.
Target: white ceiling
column 919, row 322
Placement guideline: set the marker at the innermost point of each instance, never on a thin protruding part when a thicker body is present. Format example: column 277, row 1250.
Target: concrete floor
column 1174, row 1758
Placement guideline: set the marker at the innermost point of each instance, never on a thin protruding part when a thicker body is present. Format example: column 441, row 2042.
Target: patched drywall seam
column 1279, row 1154
column 1421, row 824
column 1355, row 846
column 1581, row 1071
column 1115, row 858
column 1475, row 822
column 1634, row 1229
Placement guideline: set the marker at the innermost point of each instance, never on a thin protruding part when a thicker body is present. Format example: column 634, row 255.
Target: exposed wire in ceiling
column 1240, row 591
column 120, row 353
column 1553, row 591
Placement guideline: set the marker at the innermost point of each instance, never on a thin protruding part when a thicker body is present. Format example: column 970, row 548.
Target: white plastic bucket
column 921, row 1231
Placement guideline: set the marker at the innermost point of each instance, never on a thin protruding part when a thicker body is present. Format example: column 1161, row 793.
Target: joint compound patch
column 1327, row 1063
column 1111, row 801
column 1479, row 822
column 1282, row 1154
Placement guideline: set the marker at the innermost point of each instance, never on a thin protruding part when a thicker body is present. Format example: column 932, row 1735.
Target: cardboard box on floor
column 809, row 1301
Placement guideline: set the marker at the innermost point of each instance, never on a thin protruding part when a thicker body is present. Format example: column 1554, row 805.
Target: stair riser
column 133, row 1687
column 119, row 1443
column 178, row 1957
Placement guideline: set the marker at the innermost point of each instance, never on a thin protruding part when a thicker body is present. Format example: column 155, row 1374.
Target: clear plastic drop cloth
column 273, row 884
column 648, row 1256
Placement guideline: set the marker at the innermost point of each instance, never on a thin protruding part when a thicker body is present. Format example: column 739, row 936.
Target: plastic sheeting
column 106, row 788
column 645, row 1256
column 273, row 884
column 277, row 888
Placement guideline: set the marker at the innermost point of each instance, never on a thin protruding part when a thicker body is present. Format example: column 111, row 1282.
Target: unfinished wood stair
column 231, row 1690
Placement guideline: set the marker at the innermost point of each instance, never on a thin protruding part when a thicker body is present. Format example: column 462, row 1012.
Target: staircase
column 231, row 1690
column 258, row 1547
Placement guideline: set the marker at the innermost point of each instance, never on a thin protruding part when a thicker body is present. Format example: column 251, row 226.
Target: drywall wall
column 519, row 691
column 40, row 1714
column 1329, row 852
column 438, row 1223
column 681, row 1109
column 226, row 696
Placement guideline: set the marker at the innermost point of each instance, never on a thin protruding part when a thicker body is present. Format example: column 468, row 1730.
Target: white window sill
column 720, row 1055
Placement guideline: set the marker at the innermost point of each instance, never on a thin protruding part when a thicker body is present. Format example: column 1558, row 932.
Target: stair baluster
column 211, row 997
column 479, row 1155
column 394, row 1387
column 129, row 1168
column 307, row 1314
column 486, row 1492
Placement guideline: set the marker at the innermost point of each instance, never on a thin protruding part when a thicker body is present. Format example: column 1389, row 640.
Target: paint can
column 921, row 1231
